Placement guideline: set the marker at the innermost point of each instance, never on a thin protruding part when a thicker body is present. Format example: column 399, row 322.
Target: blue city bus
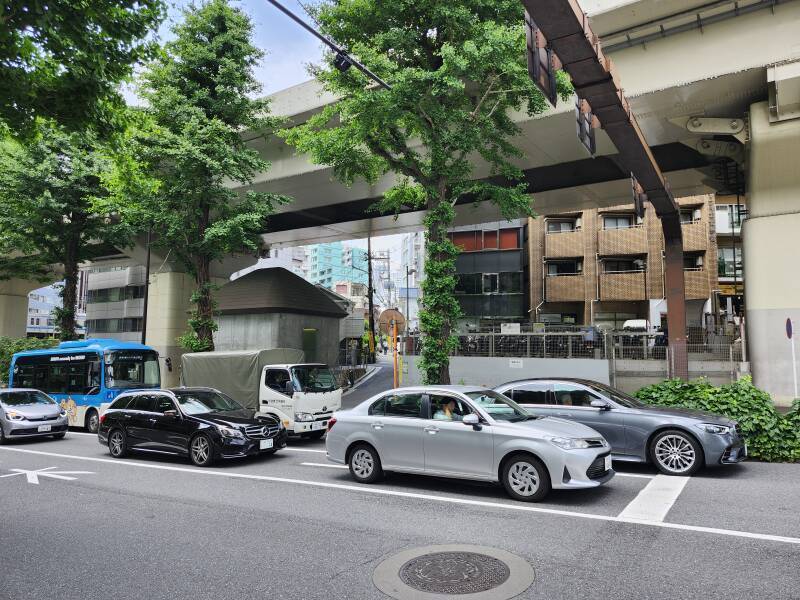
column 85, row 375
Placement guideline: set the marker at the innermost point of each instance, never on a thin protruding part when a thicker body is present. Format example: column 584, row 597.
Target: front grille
column 261, row 432
column 30, row 430
column 598, row 468
column 35, row 419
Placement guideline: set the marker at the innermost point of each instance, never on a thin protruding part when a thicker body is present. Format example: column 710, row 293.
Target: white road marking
column 94, row 435
column 655, row 499
column 33, row 476
column 304, row 450
column 328, row 465
column 364, row 489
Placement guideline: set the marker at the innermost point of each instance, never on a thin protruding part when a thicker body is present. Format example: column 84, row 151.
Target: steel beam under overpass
column 565, row 29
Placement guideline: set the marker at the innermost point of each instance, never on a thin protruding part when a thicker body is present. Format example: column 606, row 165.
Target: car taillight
column 331, row 423
column 102, row 418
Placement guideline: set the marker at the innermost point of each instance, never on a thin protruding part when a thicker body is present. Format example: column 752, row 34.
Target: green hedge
column 8, row 346
column 770, row 436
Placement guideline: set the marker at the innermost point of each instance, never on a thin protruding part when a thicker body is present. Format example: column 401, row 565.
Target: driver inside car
column 447, row 411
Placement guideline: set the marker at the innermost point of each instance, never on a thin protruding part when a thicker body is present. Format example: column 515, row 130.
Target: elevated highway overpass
column 677, row 60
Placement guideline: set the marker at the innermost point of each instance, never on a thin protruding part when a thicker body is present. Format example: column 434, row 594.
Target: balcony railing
column 630, row 240
column 696, row 283
column 625, row 285
column 565, row 288
column 695, row 236
column 564, row 244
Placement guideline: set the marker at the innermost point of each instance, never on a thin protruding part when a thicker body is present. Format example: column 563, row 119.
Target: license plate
column 319, row 425
column 44, row 428
column 608, row 463
column 265, row 444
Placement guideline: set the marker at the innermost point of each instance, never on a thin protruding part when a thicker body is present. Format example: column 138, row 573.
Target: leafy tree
column 63, row 60
column 56, row 210
column 457, row 72
column 200, row 100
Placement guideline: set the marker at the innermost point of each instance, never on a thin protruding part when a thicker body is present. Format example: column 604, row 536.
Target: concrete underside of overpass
column 717, row 70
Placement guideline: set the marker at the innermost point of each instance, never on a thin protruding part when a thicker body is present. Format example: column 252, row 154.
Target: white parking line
column 328, row 465
column 655, row 499
column 290, row 449
column 434, row 498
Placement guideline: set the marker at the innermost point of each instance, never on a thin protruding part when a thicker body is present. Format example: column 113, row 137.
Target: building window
column 126, row 325
column 692, row 262
column 617, row 221
column 117, row 294
column 729, row 262
column 490, row 283
column 562, row 225
column 564, row 267
column 690, row 215
column 624, row 265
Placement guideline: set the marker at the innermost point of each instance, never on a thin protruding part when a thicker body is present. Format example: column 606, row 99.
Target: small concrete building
column 274, row 308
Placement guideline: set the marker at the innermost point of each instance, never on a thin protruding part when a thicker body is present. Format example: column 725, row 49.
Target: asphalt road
column 292, row 526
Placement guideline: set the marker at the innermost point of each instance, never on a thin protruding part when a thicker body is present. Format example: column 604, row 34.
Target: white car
column 470, row 433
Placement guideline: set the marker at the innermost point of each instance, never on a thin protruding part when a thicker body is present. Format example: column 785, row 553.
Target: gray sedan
column 677, row 441
column 28, row 413
column 470, row 433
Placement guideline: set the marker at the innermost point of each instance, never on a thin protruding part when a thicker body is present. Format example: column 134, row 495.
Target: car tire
column 117, row 443
column 60, row 436
column 675, row 452
column 365, row 464
column 525, row 478
column 92, row 421
column 201, row 450
column 2, row 436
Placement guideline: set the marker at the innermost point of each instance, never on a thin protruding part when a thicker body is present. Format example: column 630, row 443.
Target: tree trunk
column 205, row 305
column 69, row 293
column 441, row 308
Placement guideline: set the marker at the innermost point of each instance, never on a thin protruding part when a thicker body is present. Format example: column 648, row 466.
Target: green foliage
column 458, row 76
column 64, row 60
column 188, row 148
column 57, row 209
column 10, row 346
column 770, row 436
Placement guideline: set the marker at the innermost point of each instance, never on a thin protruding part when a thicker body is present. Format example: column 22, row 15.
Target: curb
column 370, row 372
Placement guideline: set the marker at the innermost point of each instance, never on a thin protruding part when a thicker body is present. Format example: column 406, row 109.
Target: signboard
column 515, row 363
column 509, row 328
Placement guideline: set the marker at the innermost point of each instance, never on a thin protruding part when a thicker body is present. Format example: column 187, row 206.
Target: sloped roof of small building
column 275, row 290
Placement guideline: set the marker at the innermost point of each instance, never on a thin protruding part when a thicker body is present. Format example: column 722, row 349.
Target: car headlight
column 713, row 428
column 12, row 416
column 63, row 413
column 303, row 417
column 230, row 432
column 568, row 443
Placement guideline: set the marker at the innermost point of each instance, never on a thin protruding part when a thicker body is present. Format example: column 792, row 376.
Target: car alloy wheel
column 523, row 478
column 116, row 444
column 676, row 454
column 365, row 466
column 92, row 422
column 200, row 451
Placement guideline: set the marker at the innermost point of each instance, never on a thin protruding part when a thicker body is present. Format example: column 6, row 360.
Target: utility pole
column 370, row 303
column 146, row 285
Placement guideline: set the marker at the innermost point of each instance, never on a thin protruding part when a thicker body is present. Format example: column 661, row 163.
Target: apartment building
column 492, row 269
column 606, row 266
column 730, row 210
column 332, row 262
column 115, row 301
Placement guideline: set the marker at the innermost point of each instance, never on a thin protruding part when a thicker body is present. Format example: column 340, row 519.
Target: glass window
column 276, row 379
column 560, row 226
column 23, row 377
column 498, row 406
column 143, row 403
column 132, row 369
column 403, row 405
column 314, row 378
column 447, row 408
column 468, row 283
column 729, row 262
column 572, row 395
column 57, row 379
column 564, row 267
column 510, row 282
column 490, row 282
column 532, row 393
column 197, row 402
column 24, row 398
column 617, row 221
column 121, row 403
column 614, row 265
column 164, row 403
column 377, row 408
column 617, row 396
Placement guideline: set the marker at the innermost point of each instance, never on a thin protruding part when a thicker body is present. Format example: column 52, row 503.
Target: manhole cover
column 454, row 573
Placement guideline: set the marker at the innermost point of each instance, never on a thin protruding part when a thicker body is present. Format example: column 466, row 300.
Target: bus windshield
column 132, row 369
column 314, row 378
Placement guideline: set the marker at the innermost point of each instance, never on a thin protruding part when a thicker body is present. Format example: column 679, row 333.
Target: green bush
column 770, row 436
column 8, row 346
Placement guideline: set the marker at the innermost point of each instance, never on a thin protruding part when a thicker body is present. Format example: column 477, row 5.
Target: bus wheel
column 92, row 421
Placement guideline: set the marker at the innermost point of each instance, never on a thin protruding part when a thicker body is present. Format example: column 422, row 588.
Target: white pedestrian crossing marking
column 33, row 476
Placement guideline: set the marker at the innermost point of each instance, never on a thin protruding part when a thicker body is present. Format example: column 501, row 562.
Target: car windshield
column 314, row 378
column 620, row 398
column 24, row 398
column 132, row 369
column 499, row 407
column 198, row 402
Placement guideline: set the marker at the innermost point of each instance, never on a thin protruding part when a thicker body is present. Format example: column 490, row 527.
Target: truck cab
column 303, row 395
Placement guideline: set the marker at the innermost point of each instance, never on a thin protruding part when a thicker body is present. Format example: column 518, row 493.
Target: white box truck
column 303, row 395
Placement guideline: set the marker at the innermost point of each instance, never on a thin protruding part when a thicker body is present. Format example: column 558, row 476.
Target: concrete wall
column 770, row 251
column 14, row 306
column 278, row 330
column 631, row 375
column 489, row 372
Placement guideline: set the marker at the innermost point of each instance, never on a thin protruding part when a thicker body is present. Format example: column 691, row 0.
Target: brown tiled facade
column 606, row 261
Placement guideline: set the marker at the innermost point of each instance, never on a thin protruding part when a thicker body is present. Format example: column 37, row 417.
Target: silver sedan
column 470, row 433
column 28, row 413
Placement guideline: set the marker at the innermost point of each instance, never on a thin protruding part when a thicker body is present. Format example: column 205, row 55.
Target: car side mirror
column 601, row 404
column 171, row 413
column 473, row 420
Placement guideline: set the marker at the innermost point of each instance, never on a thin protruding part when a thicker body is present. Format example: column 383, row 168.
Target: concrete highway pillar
column 14, row 306
column 771, row 269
